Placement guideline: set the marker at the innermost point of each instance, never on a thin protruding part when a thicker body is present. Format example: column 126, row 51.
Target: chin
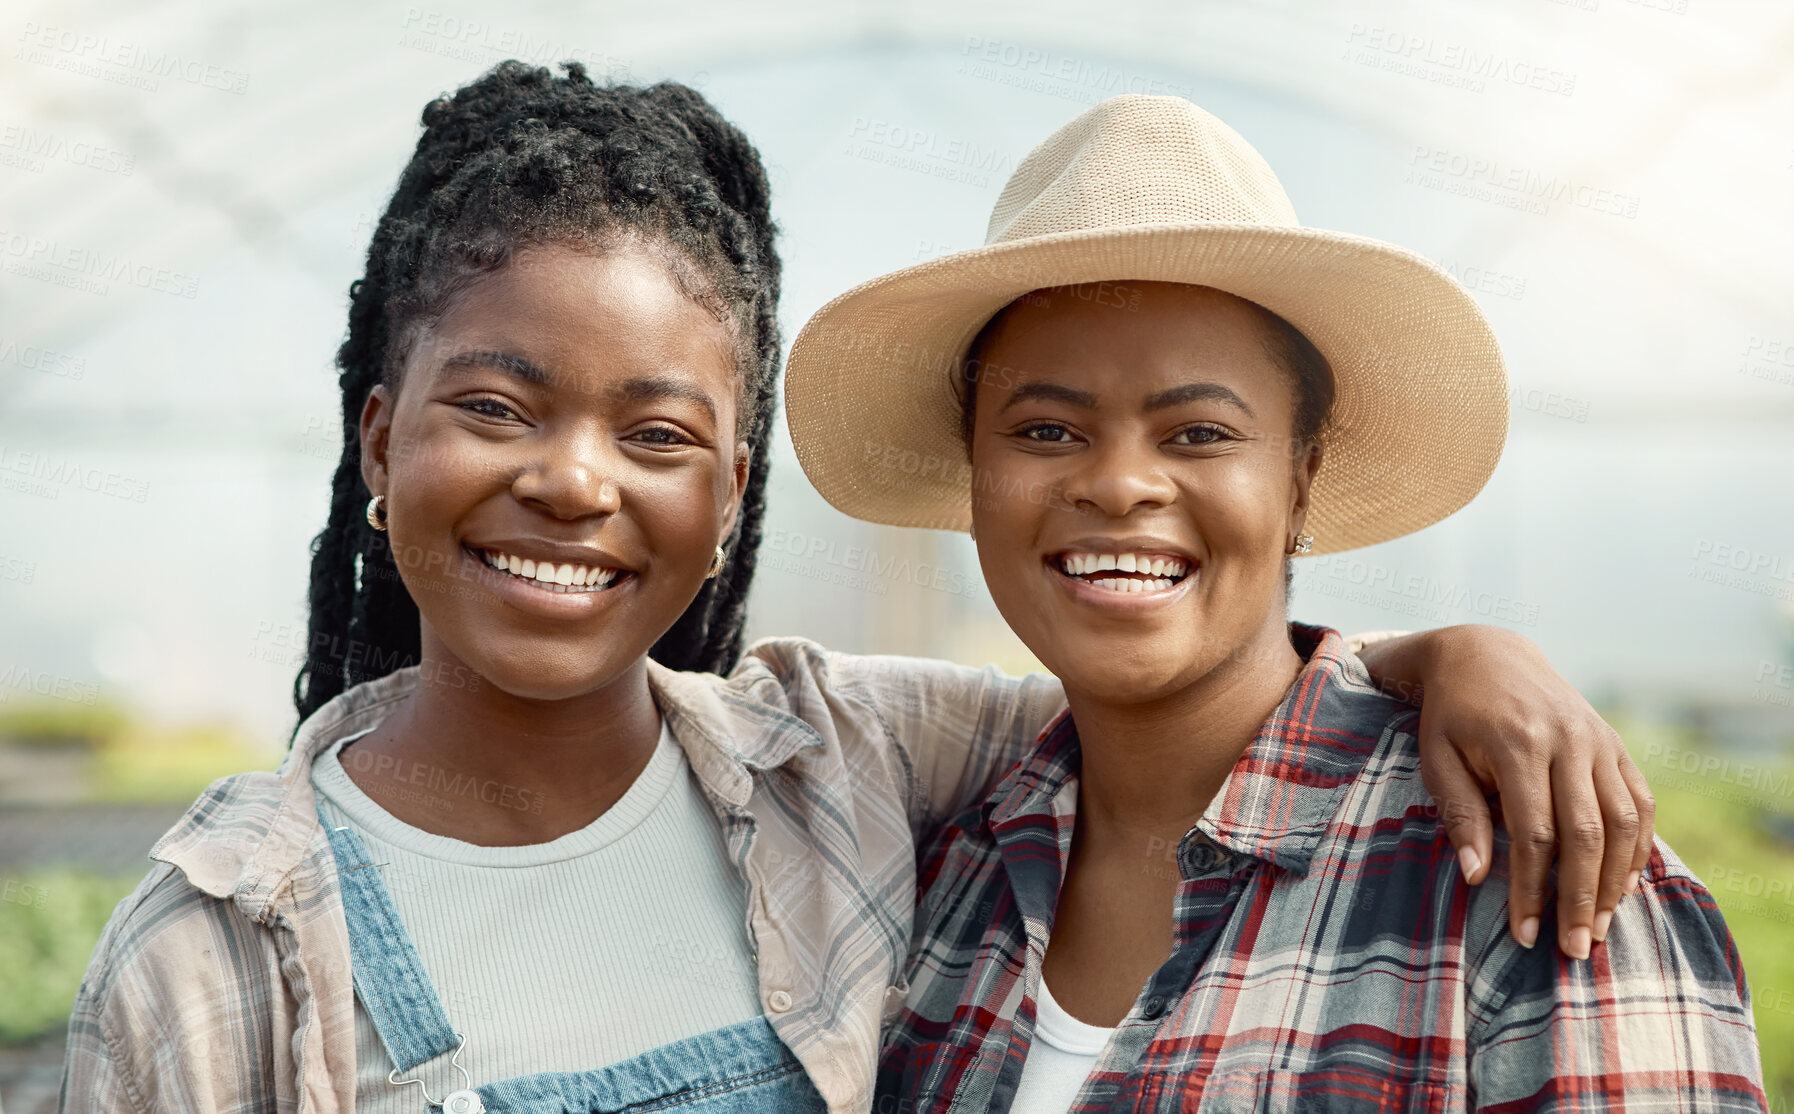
column 1122, row 678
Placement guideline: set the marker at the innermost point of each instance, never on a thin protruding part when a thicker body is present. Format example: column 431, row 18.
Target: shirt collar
column 247, row 833
column 1287, row 785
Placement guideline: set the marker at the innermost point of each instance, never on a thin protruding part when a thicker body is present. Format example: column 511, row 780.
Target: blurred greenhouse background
column 186, row 191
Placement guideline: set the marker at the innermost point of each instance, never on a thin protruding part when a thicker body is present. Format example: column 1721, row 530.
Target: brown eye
column 662, row 437
column 488, row 408
column 1200, row 435
column 1046, row 432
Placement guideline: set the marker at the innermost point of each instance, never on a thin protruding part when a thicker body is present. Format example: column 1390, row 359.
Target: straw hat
column 1154, row 188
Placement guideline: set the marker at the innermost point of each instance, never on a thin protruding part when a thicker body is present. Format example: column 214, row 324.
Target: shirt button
column 1155, row 1007
column 778, row 1001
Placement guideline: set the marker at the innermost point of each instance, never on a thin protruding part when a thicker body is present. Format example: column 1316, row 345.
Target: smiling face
column 559, row 463
column 1137, row 485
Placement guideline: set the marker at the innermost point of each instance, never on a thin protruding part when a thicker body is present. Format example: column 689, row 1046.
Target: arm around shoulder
column 955, row 729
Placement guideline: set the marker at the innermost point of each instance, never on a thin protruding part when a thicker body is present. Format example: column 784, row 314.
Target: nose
column 1120, row 478
column 572, row 477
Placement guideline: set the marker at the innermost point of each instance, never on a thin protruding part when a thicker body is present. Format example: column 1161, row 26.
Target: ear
column 744, row 456
column 376, row 435
column 1303, row 470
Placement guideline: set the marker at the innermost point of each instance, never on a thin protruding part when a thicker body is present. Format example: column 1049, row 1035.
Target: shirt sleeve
column 953, row 730
column 1658, row 1018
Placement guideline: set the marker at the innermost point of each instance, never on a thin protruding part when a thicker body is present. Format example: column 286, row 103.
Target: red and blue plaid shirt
column 1328, row 955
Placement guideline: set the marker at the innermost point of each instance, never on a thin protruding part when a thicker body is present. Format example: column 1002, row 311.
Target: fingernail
column 1529, row 932
column 1632, row 882
column 1578, row 948
column 1469, row 862
column 1602, row 920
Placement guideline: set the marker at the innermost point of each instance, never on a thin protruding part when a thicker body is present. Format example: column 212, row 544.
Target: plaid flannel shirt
column 222, row 984
column 1328, row 955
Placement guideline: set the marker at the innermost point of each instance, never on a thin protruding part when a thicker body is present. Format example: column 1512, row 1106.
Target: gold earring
column 716, row 564
column 377, row 512
column 1302, row 544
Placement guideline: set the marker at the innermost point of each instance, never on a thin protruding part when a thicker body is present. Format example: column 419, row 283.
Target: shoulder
column 891, row 690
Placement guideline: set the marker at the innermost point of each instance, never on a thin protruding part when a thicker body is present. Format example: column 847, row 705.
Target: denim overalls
column 739, row 1069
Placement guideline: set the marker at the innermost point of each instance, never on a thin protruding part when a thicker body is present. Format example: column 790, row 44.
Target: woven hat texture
column 1154, row 188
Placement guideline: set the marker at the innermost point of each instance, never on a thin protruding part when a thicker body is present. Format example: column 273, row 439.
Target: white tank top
column 1060, row 1058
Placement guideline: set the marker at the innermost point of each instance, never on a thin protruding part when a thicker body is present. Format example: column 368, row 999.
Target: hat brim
column 1420, row 410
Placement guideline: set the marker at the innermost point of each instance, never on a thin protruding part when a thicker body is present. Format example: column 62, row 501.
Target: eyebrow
column 1196, row 392
column 642, row 388
column 1052, row 392
column 516, row 366
column 1175, row 396
column 648, row 388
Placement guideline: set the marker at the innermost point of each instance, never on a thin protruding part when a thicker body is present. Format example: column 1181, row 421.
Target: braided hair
column 522, row 157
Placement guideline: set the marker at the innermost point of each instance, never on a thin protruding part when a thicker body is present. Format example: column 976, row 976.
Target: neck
column 512, row 770
column 1150, row 768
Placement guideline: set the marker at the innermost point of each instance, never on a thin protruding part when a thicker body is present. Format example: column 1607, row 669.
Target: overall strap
column 389, row 978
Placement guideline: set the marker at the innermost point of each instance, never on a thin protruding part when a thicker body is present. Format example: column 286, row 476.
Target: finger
column 1647, row 819
column 1462, row 808
column 1581, row 839
column 1526, row 809
column 1619, row 816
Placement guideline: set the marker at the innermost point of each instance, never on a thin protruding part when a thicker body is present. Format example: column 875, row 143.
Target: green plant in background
column 1721, row 821
column 49, row 923
column 147, row 764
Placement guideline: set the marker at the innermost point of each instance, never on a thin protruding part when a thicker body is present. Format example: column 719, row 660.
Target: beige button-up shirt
column 222, row 983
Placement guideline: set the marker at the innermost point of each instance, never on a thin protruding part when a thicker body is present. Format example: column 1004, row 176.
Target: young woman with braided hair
column 607, row 877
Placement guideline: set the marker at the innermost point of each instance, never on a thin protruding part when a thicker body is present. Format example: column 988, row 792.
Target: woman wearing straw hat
column 1217, row 883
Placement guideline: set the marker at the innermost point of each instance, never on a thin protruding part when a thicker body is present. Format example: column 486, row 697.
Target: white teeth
column 1126, row 585
column 547, row 574
column 1083, row 564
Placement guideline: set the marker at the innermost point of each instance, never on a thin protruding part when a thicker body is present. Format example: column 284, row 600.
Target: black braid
column 523, row 157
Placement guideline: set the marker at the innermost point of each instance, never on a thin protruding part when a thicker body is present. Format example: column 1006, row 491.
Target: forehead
column 613, row 313
column 1146, row 337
